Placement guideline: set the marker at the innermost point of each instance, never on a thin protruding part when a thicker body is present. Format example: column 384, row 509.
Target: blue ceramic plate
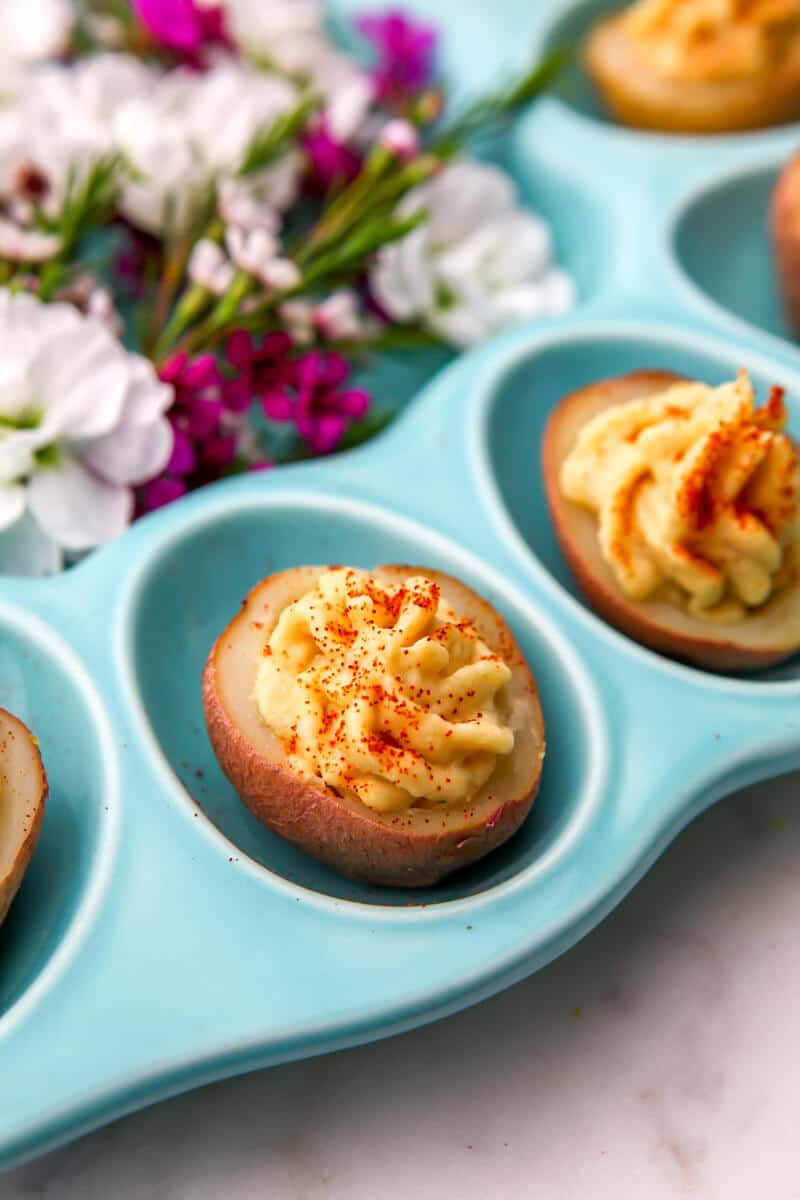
column 163, row 938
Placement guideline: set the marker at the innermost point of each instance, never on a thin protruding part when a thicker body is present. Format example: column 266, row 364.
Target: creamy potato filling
column 713, row 39
column 383, row 693
column 694, row 488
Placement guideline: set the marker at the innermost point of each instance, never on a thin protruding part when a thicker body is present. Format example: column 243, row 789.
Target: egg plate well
column 164, row 938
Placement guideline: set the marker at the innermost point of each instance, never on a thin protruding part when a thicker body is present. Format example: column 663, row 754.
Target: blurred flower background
column 212, row 218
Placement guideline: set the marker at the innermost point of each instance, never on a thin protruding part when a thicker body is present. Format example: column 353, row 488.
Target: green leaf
column 491, row 112
column 270, row 142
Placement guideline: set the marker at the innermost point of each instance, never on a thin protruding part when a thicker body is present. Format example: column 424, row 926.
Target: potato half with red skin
column 784, row 224
column 642, row 98
column 759, row 640
column 411, row 849
column 23, row 791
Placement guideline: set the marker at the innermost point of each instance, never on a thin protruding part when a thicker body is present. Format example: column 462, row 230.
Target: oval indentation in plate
column 721, row 246
column 45, row 686
column 508, row 434
column 193, row 586
column 576, row 90
column 585, row 238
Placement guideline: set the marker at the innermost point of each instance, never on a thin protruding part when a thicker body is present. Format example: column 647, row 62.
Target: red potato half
column 412, row 849
column 759, row 640
column 23, row 791
column 784, row 223
column 644, row 99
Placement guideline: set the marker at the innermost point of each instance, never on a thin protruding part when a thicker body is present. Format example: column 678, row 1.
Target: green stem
column 381, row 197
column 193, row 303
column 239, row 289
column 51, row 277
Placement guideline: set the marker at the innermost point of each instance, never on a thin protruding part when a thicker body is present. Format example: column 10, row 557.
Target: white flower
column 85, row 96
column 255, row 251
column 26, row 245
column 478, row 264
column 32, row 30
column 100, row 305
column 107, row 31
column 81, row 422
column 61, row 121
column 289, row 35
column 298, row 319
column 168, row 174
column 281, row 275
column 348, row 91
column 190, row 129
column 210, row 267
column 275, row 31
column 400, row 138
column 252, row 251
column 229, row 105
column 338, row 318
column 256, row 201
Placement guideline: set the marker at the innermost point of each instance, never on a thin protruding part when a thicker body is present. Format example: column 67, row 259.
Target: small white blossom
column 478, row 263
column 26, row 245
column 255, row 202
column 210, row 267
column 106, row 30
column 252, row 252
column 349, row 96
column 400, row 138
column 238, row 207
column 100, row 305
column 298, row 319
column 82, row 421
column 338, row 318
column 281, row 275
column 256, row 251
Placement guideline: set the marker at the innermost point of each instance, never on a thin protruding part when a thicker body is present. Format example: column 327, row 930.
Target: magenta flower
column 159, row 492
column 329, row 161
column 261, row 366
column 405, row 54
column 182, row 25
column 313, row 397
column 202, row 449
column 136, row 261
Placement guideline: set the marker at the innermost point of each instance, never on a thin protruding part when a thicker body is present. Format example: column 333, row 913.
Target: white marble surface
column 658, row 1059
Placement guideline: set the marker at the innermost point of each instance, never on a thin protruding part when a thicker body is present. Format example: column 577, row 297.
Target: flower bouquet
column 210, row 218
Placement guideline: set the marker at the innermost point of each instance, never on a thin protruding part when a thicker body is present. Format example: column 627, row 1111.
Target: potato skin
column 784, row 223
column 385, row 851
column 10, row 882
column 643, row 100
column 607, row 599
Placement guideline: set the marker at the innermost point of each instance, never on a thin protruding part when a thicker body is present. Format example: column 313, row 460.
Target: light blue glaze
column 163, row 938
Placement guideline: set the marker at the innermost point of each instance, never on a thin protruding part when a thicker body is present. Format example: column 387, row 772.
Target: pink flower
column 401, row 139
column 312, row 396
column 330, row 161
column 182, row 25
column 405, row 52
